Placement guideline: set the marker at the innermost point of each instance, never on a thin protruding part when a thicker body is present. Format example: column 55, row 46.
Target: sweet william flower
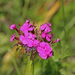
column 43, row 27
column 32, row 40
column 46, row 28
column 12, row 37
column 46, row 47
column 49, row 24
column 27, row 40
column 44, row 50
column 50, row 54
column 28, row 20
column 35, row 43
column 13, row 26
column 26, row 26
column 31, row 36
column 58, row 40
column 47, row 36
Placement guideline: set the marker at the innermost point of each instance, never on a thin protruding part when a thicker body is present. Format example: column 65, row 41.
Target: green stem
column 14, row 62
column 63, row 11
column 63, row 15
column 32, row 63
column 24, row 10
column 33, row 67
column 42, row 66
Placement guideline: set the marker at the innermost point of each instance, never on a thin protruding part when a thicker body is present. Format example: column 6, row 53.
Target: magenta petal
column 12, row 37
column 28, row 20
column 48, row 38
column 47, row 29
column 42, row 44
column 24, row 41
column 39, row 49
column 50, row 29
column 35, row 43
column 43, row 35
column 58, row 40
column 22, row 37
column 33, row 36
column 44, row 50
column 43, row 55
column 30, row 29
column 48, row 51
column 26, row 33
column 25, row 24
column 29, row 24
column 29, row 42
column 48, row 35
column 13, row 26
column 51, row 53
column 49, row 24
column 29, row 35
column 48, row 48
column 43, row 27
column 22, row 28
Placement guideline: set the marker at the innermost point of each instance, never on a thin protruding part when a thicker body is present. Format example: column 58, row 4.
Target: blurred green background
column 60, row 13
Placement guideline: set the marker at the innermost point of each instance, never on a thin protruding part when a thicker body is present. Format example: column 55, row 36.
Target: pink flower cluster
column 44, row 50
column 33, row 39
column 45, row 30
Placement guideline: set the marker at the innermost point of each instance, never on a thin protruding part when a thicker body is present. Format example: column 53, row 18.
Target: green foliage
column 29, row 68
column 17, row 11
column 3, row 43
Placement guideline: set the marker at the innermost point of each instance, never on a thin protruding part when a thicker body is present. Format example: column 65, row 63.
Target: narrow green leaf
column 67, row 28
column 70, row 24
column 29, row 68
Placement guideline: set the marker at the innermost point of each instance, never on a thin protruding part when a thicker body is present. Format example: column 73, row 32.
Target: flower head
column 47, row 36
column 44, row 50
column 27, row 40
column 26, row 26
column 49, row 24
column 45, row 28
column 35, row 43
column 12, row 37
column 58, row 40
column 28, row 20
column 13, row 26
column 33, row 39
